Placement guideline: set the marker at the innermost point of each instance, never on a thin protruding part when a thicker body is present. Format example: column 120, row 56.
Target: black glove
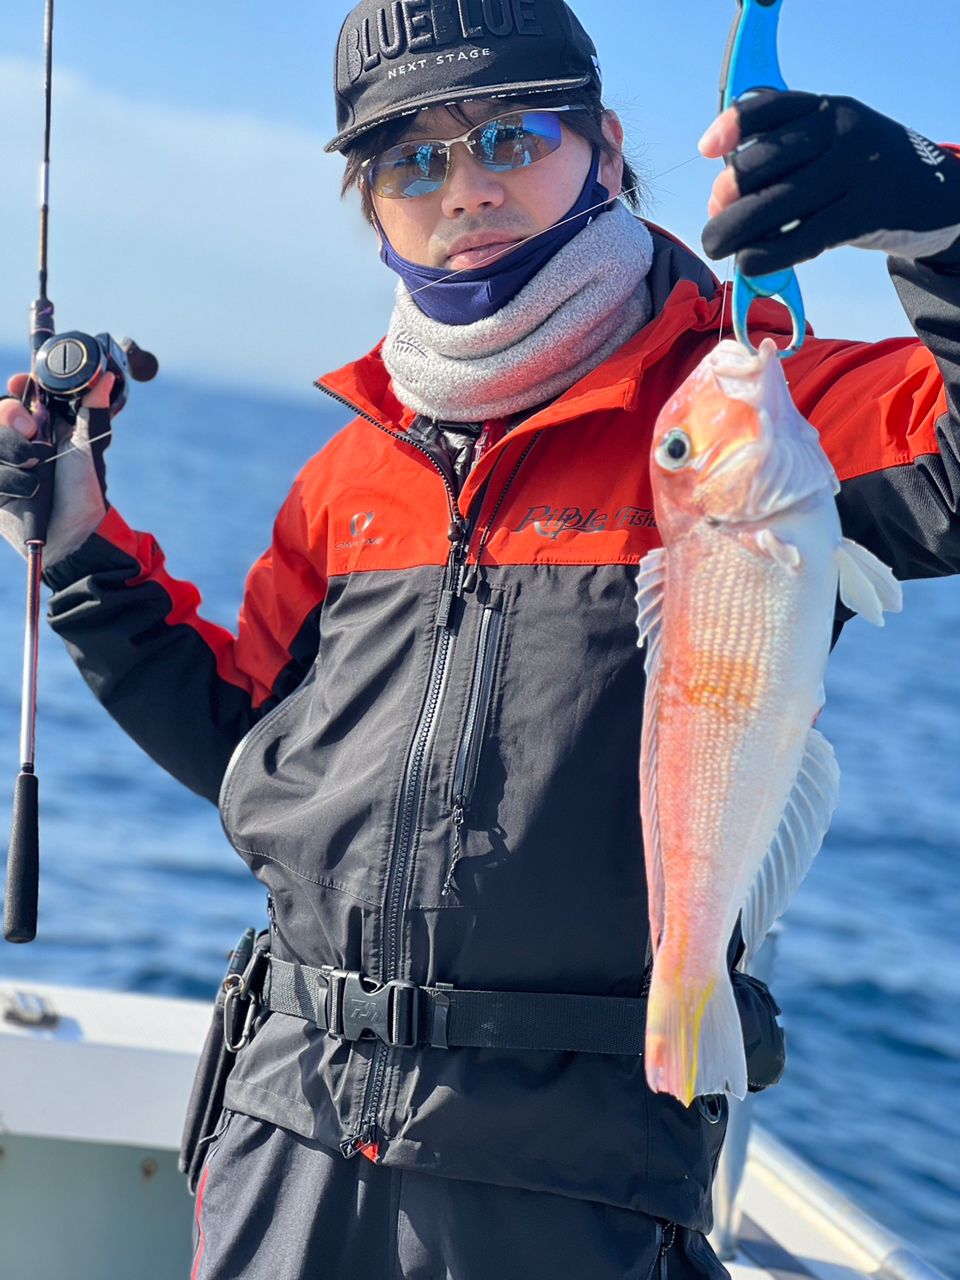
column 18, row 461
column 763, row 1039
column 816, row 172
column 79, row 501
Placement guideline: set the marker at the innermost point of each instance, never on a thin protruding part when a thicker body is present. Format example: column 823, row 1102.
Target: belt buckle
column 360, row 1009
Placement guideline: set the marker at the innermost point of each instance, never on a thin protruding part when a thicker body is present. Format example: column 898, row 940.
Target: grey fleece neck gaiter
column 585, row 303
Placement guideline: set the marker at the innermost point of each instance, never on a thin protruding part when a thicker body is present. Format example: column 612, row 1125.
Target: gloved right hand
column 79, row 492
column 809, row 172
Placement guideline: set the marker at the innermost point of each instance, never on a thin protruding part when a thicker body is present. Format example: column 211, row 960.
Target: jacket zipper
column 272, row 913
column 457, row 580
column 412, row 785
column 411, row 797
column 411, row 792
column 463, row 579
column 468, row 756
column 411, row 444
column 490, row 627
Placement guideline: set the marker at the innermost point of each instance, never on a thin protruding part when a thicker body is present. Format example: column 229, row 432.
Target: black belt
column 404, row 1015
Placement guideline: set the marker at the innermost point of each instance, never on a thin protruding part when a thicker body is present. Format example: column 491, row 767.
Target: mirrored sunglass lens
column 516, row 141
column 410, row 169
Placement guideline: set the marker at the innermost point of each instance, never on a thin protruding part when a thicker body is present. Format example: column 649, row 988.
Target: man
column 436, row 669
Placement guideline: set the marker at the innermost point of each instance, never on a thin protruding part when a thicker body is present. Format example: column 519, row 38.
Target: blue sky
column 194, row 209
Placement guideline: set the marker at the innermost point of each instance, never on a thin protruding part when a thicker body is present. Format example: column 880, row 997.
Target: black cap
column 397, row 56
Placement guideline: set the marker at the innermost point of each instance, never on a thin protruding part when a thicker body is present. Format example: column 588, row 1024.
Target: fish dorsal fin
column 866, row 584
column 650, row 588
column 799, row 837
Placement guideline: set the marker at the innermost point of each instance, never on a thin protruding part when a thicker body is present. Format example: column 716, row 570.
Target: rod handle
column 23, row 862
column 36, row 515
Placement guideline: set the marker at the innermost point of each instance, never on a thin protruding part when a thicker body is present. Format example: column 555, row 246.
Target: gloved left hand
column 79, row 486
column 808, row 173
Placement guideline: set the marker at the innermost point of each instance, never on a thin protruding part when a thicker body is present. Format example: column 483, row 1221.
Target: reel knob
column 143, row 365
column 69, row 363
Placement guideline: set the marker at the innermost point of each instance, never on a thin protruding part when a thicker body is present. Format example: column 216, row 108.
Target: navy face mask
column 475, row 295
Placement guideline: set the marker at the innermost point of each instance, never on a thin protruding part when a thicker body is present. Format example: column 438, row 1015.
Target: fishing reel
column 69, row 364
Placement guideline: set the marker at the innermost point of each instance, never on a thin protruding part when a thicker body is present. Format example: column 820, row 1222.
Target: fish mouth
column 732, row 362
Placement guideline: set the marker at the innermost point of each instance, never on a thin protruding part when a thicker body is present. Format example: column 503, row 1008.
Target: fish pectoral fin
column 782, row 553
column 803, row 825
column 694, row 1040
column 650, row 591
column 867, row 585
column 650, row 586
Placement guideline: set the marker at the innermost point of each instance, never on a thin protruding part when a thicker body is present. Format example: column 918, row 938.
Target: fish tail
column 694, row 1042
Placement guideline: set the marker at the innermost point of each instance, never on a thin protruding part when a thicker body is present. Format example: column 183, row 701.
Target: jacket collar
column 687, row 299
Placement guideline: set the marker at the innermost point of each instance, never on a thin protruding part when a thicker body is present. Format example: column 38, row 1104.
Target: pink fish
column 736, row 612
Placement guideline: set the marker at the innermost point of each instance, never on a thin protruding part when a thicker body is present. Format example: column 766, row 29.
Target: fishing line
column 75, row 448
column 71, row 448
column 562, row 223
column 105, row 435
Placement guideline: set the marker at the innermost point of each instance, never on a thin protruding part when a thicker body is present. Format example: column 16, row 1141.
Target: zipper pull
column 668, row 1233
column 458, row 819
column 364, row 1144
column 468, row 573
column 454, row 579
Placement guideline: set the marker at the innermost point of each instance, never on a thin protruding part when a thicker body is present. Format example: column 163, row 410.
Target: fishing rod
column 63, row 367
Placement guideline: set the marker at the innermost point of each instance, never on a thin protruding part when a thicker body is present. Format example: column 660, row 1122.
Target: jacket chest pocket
column 487, row 651
column 476, row 721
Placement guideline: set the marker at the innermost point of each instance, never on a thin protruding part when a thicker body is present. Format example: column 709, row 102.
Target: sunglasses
column 421, row 166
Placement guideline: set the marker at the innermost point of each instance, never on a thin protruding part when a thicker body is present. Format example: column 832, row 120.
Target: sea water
column 140, row 891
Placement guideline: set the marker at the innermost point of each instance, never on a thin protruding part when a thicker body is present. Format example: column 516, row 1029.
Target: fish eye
column 675, row 450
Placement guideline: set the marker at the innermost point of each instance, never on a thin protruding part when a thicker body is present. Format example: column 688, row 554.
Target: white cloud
column 218, row 241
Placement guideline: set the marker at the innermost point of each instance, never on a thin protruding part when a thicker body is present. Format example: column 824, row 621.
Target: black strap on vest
column 404, row 1015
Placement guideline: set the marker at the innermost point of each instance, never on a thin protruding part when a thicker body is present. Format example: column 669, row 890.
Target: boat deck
column 91, row 1107
column 797, row 1224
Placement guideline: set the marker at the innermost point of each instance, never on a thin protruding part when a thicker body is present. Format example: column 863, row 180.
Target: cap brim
column 525, row 89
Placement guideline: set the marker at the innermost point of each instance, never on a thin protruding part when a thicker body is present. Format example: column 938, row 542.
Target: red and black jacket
column 434, row 772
